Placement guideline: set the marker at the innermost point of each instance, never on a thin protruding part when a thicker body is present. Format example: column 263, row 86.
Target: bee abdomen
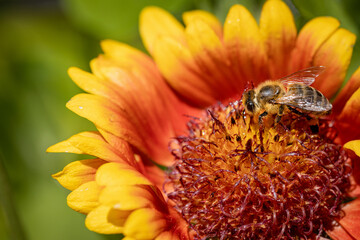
column 317, row 98
column 309, row 99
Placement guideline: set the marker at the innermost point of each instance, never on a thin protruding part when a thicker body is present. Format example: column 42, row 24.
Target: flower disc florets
column 235, row 178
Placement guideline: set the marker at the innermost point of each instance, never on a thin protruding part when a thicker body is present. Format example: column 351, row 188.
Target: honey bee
column 292, row 92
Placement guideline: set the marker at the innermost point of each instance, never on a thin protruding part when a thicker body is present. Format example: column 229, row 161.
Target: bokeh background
column 39, row 41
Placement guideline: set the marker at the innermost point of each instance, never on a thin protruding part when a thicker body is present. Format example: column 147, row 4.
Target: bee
column 292, row 92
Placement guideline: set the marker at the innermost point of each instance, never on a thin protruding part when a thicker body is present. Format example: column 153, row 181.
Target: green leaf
column 335, row 8
column 115, row 19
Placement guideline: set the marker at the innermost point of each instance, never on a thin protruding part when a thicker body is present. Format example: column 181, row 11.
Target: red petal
column 338, row 233
column 351, row 221
column 348, row 121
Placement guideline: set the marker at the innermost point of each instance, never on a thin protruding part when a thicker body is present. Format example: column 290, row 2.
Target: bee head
column 249, row 101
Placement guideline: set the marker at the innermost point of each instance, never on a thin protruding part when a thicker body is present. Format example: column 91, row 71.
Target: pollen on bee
column 234, row 178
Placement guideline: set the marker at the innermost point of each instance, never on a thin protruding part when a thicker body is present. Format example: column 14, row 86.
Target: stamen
column 237, row 179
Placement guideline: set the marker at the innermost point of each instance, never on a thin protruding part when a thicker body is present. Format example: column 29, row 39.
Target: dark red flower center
column 234, row 178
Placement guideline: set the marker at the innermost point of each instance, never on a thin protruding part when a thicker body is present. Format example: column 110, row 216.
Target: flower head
column 229, row 175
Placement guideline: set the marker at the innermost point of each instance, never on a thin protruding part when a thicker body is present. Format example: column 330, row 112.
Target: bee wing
column 306, row 76
column 306, row 103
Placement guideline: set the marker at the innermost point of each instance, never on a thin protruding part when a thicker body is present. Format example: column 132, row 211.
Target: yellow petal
column 84, row 198
column 127, row 56
column 144, row 224
column 90, row 83
column 119, row 174
column 129, row 197
column 245, row 46
column 204, row 16
column 68, row 147
column 354, row 146
column 278, row 29
column 335, row 54
column 200, row 37
column 106, row 220
column 311, row 37
column 128, row 238
column 77, row 173
column 156, row 22
column 64, row 146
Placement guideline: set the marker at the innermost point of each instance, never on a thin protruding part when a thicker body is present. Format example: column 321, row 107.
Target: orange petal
column 119, row 174
column 209, row 54
column 155, row 174
column 167, row 236
column 176, row 64
column 84, row 198
column 355, row 192
column 335, row 55
column 350, row 222
column 278, row 28
column 77, row 173
column 120, row 145
column 339, row 233
column 348, row 120
column 206, row 17
column 106, row 220
column 310, row 38
column 156, row 22
column 351, row 86
column 245, row 46
column 67, row 145
column 151, row 221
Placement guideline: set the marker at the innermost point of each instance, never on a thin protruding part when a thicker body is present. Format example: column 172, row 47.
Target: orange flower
column 141, row 106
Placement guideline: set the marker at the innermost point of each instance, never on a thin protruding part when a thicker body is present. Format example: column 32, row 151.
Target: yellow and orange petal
column 138, row 104
column 122, row 92
column 351, row 86
column 245, row 46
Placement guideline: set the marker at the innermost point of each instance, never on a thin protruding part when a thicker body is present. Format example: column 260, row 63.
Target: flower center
column 235, row 178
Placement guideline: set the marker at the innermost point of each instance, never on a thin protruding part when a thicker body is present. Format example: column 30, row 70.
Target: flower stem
column 12, row 221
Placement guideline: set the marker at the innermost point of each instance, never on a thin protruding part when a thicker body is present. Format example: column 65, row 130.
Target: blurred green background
column 39, row 41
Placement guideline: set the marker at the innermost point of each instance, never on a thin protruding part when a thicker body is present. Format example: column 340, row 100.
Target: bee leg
column 280, row 113
column 243, row 116
column 299, row 113
column 261, row 116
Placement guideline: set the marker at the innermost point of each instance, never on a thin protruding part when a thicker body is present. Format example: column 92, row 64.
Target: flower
column 239, row 173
